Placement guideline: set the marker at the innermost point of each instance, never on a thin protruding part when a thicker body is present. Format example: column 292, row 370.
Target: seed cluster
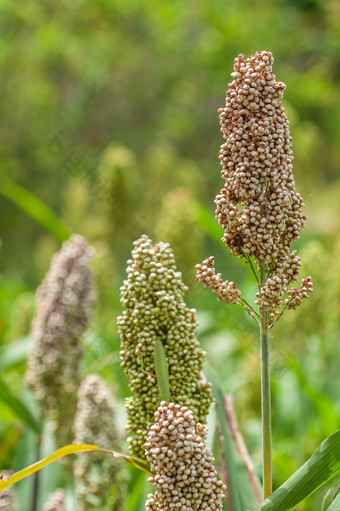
column 226, row 291
column 185, row 476
column 152, row 298
column 56, row 501
column 100, row 479
column 63, row 312
column 296, row 295
column 7, row 499
column 258, row 207
column 286, row 271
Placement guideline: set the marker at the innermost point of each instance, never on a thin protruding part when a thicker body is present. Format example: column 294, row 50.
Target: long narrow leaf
column 325, row 408
column 162, row 371
column 35, row 208
column 136, row 462
column 323, row 465
column 329, row 497
column 137, row 492
column 14, row 353
column 239, row 487
column 335, row 506
column 64, row 451
column 18, row 407
column 134, row 498
column 24, row 455
column 240, row 445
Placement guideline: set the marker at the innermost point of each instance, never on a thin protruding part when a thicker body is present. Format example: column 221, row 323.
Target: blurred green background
column 109, row 128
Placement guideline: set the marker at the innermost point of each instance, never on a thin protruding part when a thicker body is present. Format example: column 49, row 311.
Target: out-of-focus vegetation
column 108, row 119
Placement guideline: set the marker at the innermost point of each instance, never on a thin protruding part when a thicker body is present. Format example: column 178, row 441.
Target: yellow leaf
column 64, row 451
column 136, row 462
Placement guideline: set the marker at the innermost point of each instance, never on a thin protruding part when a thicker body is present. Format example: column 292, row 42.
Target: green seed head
column 152, row 297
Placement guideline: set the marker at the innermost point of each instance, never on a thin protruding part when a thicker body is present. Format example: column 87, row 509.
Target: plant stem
column 35, row 494
column 265, row 398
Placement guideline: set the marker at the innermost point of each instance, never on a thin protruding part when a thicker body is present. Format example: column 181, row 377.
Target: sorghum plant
column 185, row 477
column 63, row 312
column 100, row 480
column 152, row 297
column 262, row 215
column 259, row 209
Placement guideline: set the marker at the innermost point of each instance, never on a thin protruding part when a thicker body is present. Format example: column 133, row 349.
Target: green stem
column 265, row 397
column 35, row 493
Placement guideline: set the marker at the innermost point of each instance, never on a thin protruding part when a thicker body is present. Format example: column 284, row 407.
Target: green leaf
column 335, row 506
column 321, row 467
column 25, row 454
column 325, row 408
column 18, row 407
column 49, row 478
column 134, row 502
column 212, row 426
column 14, row 353
column 162, row 371
column 239, row 488
column 35, row 208
column 329, row 497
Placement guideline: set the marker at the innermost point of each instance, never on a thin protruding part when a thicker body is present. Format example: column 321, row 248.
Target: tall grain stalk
column 259, row 210
column 265, row 397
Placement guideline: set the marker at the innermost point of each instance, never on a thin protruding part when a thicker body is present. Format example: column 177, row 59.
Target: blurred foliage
column 109, row 118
